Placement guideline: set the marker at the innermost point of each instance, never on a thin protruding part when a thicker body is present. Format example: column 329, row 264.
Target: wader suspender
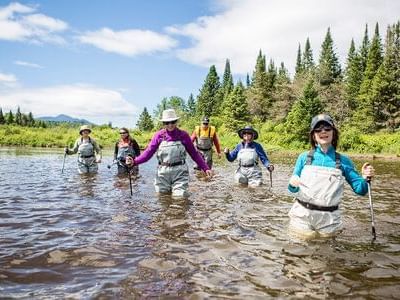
column 310, row 157
column 198, row 136
column 90, row 142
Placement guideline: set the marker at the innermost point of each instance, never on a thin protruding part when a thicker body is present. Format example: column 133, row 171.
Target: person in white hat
column 318, row 182
column 171, row 145
column 89, row 152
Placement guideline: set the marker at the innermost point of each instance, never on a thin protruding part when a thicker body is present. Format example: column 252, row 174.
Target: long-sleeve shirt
column 356, row 181
column 231, row 156
column 171, row 136
column 204, row 132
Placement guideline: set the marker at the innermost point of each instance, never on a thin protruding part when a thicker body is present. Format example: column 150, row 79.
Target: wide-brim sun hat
column 169, row 115
column 248, row 129
column 84, row 127
column 321, row 118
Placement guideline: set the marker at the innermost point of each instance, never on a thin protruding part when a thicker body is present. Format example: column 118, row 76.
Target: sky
column 106, row 60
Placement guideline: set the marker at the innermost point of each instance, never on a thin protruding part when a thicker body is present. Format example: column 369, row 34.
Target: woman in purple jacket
column 171, row 145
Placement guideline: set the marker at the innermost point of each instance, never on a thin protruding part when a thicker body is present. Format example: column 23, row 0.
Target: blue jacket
column 231, row 156
column 356, row 181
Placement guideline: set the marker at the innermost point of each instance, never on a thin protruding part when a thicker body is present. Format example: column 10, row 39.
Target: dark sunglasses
column 325, row 128
column 247, row 132
column 123, row 132
column 170, row 122
column 205, row 123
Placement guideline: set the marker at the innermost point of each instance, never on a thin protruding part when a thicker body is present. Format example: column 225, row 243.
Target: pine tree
column 283, row 74
column 329, row 69
column 235, row 113
column 227, row 80
column 353, row 76
column 191, row 106
column 145, row 122
column 10, row 118
column 299, row 64
column 386, row 83
column 248, row 82
column 24, row 120
column 364, row 50
column 2, row 120
column 299, row 117
column 271, row 75
column 31, row 120
column 18, row 117
column 209, row 98
column 308, row 60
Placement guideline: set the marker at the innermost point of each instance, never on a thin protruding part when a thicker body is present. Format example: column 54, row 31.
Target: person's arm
column 97, row 150
column 231, row 156
column 216, row 143
column 149, row 151
column 194, row 154
column 74, row 148
column 194, row 136
column 136, row 147
column 298, row 168
column 356, row 181
column 263, row 156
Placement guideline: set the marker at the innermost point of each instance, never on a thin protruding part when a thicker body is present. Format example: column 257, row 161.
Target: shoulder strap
column 338, row 164
column 310, row 156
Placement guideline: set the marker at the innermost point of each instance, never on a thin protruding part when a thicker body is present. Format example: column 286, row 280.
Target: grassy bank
column 273, row 139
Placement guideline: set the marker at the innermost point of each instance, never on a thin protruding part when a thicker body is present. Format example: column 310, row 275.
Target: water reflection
column 67, row 235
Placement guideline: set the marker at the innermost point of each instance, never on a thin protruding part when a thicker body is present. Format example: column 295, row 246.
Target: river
column 85, row 237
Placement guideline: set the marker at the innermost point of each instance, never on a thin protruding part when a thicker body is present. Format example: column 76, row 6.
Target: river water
column 85, row 237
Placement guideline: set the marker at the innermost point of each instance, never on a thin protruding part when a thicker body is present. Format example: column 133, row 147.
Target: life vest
column 204, row 138
column 171, row 153
column 322, row 186
column 247, row 157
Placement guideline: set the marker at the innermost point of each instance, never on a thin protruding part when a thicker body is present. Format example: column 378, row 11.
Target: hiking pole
column 371, row 208
column 62, row 170
column 270, row 177
column 130, row 181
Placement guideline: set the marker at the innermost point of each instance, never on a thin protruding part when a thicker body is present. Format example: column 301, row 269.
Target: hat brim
column 255, row 133
column 169, row 119
column 322, row 121
column 80, row 131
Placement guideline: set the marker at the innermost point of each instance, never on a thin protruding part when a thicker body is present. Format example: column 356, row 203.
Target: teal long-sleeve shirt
column 356, row 181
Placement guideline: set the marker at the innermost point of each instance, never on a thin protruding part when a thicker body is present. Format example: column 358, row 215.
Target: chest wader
column 123, row 153
column 172, row 173
column 86, row 158
column 249, row 171
column 317, row 203
column 204, row 147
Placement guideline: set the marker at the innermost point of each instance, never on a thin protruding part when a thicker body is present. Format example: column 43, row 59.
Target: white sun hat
column 169, row 115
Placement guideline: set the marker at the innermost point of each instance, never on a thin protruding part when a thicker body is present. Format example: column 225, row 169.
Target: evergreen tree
column 283, row 74
column 283, row 95
column 110, row 124
column 299, row 117
column 299, row 64
column 308, row 61
column 235, row 113
column 145, row 122
column 386, row 83
column 227, row 80
column 2, row 120
column 24, row 120
column 353, row 76
column 10, row 118
column 18, row 117
column 209, row 98
column 364, row 50
column 191, row 106
column 31, row 120
column 329, row 69
column 248, row 82
column 163, row 105
column 271, row 75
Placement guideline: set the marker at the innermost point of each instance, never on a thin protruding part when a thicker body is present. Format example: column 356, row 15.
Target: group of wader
column 317, row 181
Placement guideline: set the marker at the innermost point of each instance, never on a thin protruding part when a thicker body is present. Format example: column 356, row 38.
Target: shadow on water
column 73, row 236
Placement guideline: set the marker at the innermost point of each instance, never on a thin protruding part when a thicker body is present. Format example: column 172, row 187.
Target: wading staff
column 130, row 181
column 270, row 177
column 65, row 155
column 371, row 208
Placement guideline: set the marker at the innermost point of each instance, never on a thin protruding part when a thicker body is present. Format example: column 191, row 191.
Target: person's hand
column 66, row 150
column 219, row 155
column 98, row 160
column 209, row 173
column 226, row 150
column 129, row 161
column 271, row 167
column 294, row 181
column 367, row 171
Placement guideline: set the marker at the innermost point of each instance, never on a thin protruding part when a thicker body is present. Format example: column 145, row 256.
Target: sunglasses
column 247, row 132
column 325, row 128
column 123, row 132
column 170, row 122
column 205, row 123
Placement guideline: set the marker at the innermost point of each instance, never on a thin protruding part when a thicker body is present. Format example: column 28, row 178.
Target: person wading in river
column 318, row 182
column 87, row 149
column 126, row 149
column 204, row 136
column 248, row 154
column 171, row 145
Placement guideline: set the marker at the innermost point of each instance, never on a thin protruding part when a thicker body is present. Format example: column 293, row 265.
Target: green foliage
column 353, row 76
column 329, row 69
column 235, row 113
column 10, row 118
column 145, row 122
column 2, row 120
column 308, row 60
column 210, row 97
column 191, row 106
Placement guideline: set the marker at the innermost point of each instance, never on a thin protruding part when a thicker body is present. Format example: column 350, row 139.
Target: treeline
column 20, row 119
column 363, row 96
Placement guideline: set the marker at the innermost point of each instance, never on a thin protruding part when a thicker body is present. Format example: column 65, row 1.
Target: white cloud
column 277, row 27
column 19, row 23
column 27, row 64
column 8, row 80
column 128, row 42
column 95, row 104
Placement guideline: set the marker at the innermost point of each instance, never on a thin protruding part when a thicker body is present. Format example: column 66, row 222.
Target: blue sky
column 106, row 60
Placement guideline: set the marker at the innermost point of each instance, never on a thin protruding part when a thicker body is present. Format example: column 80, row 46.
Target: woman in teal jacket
column 318, row 182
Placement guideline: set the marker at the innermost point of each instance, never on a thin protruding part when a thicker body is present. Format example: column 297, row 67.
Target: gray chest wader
column 316, row 206
column 249, row 171
column 86, row 157
column 172, row 173
column 204, row 147
column 123, row 153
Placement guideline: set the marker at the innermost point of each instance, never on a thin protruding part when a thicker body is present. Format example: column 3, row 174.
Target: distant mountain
column 65, row 118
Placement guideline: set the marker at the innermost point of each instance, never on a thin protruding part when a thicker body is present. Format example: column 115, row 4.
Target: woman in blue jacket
column 318, row 181
column 249, row 153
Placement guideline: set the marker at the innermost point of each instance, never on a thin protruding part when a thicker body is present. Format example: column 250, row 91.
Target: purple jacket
column 170, row 136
